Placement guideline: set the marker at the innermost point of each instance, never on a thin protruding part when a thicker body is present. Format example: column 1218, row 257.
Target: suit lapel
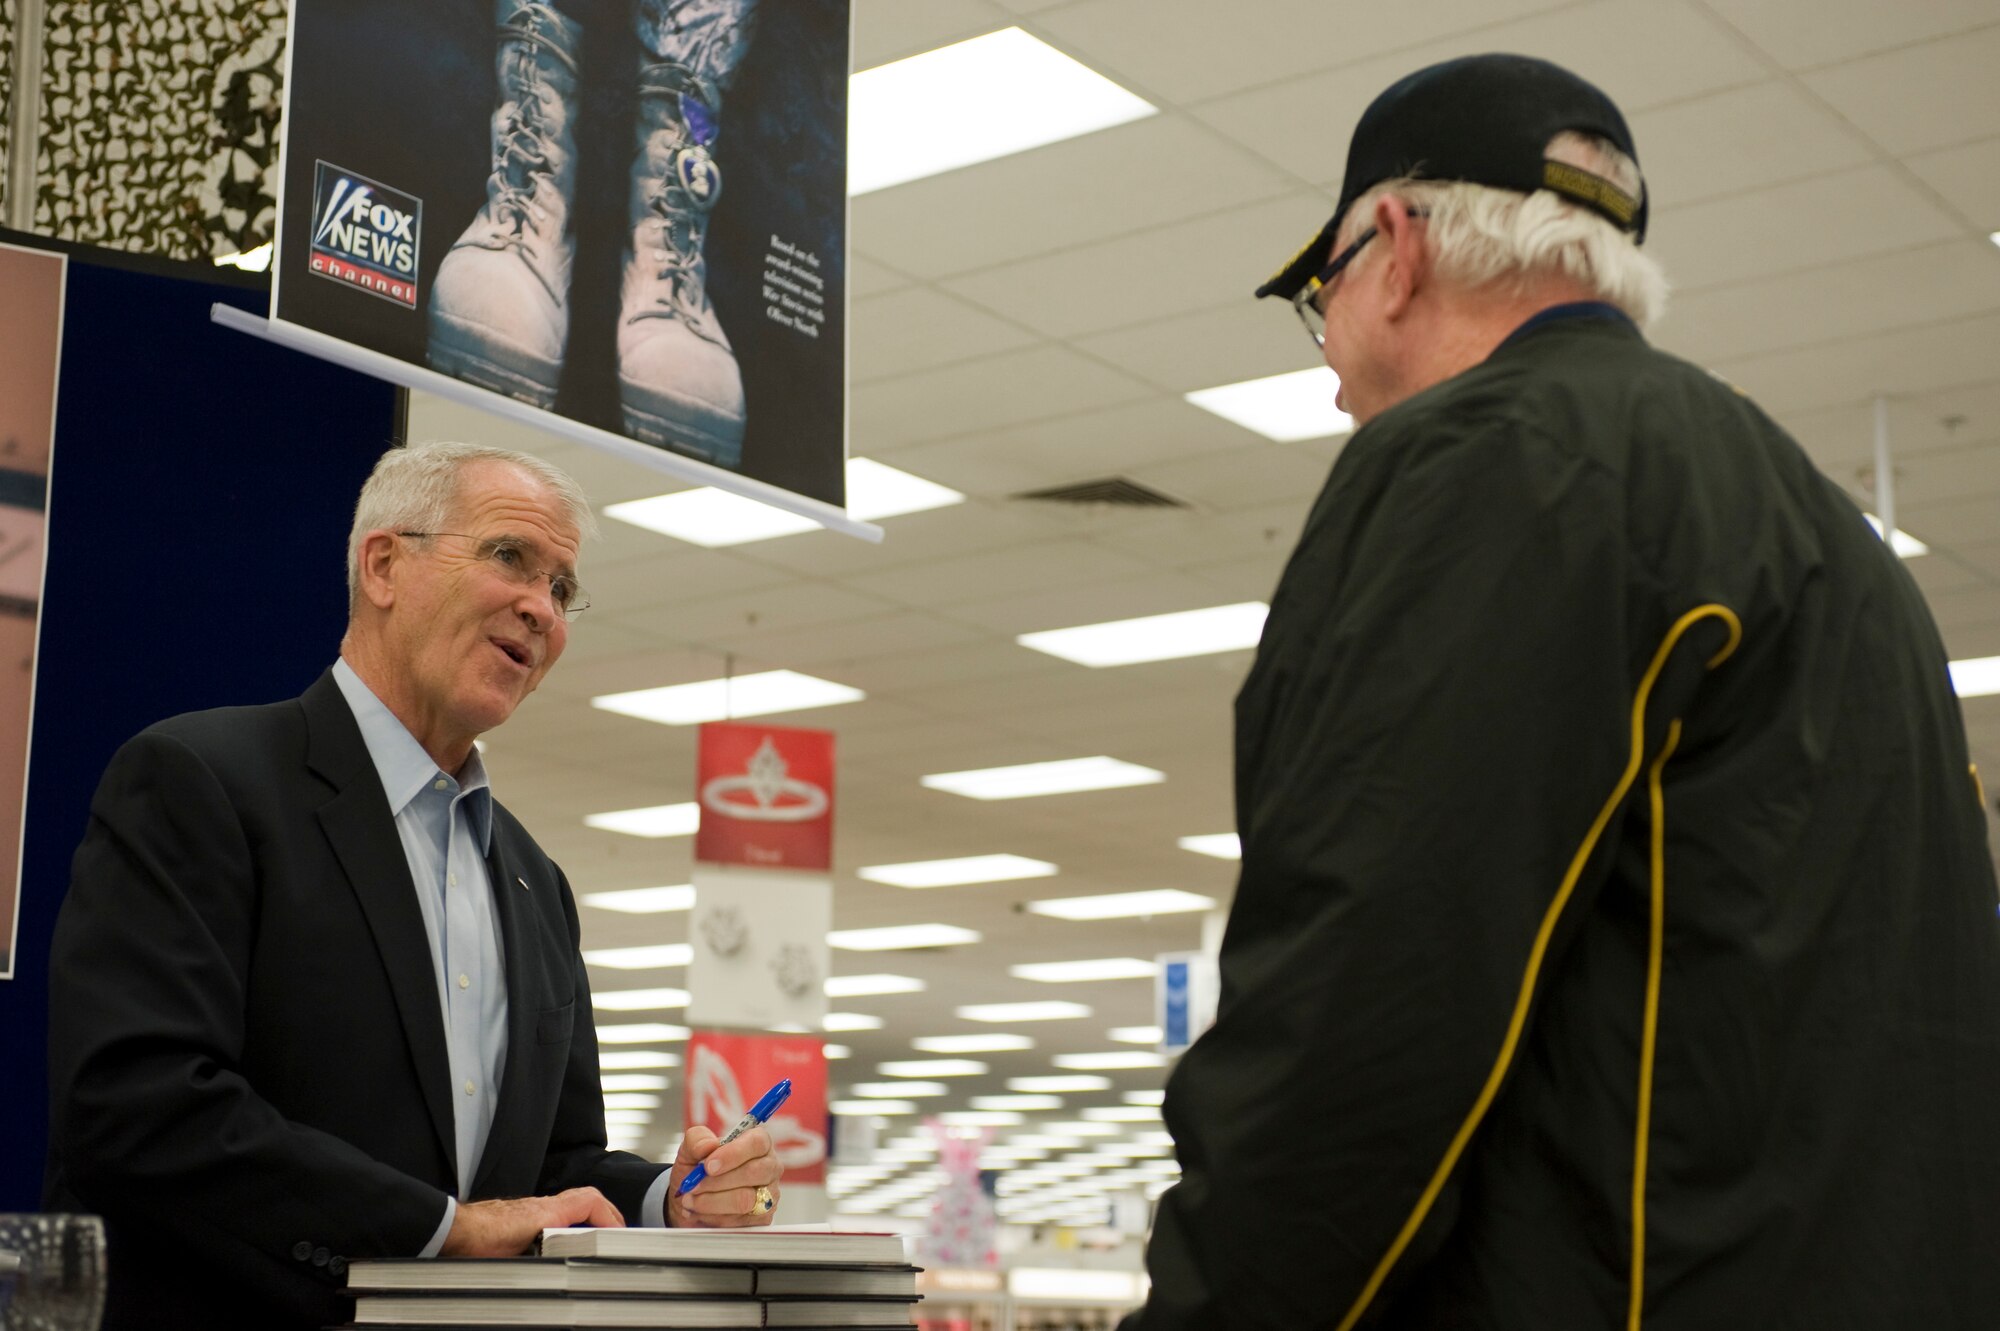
column 523, row 961
column 363, row 836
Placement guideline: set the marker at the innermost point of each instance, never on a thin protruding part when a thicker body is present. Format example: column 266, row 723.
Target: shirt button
column 451, row 879
column 469, row 1088
column 440, row 784
column 465, row 981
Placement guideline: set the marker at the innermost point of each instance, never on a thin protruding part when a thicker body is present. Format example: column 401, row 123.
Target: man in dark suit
column 316, row 995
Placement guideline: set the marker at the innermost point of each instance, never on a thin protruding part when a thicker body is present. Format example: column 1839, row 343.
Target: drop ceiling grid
column 1032, row 322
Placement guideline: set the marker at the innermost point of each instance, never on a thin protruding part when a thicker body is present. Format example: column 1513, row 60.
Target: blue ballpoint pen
column 760, row 1113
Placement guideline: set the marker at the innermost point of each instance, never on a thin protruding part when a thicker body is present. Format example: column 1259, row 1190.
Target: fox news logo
column 366, row 235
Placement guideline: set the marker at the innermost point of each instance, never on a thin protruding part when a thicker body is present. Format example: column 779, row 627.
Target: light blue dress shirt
column 446, row 826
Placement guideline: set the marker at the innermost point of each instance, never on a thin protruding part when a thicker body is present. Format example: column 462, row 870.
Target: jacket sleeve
column 154, row 1122
column 1430, row 750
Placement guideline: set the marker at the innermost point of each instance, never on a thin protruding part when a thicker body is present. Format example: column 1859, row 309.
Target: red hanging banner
column 727, row 1073
column 766, row 796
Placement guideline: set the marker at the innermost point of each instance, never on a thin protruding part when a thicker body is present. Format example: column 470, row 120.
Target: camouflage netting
column 6, row 92
column 160, row 124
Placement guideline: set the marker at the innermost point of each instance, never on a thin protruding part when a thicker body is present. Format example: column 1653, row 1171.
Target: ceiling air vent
column 1115, row 490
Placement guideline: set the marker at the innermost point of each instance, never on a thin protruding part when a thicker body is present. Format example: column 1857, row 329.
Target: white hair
column 1480, row 236
column 416, row 487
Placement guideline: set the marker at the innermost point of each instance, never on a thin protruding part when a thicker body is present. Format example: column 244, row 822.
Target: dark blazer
column 248, row 1061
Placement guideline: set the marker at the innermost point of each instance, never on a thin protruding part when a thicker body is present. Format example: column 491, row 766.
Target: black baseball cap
column 1483, row 119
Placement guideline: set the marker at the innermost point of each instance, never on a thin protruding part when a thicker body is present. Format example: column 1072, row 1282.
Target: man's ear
column 1406, row 266
column 379, row 566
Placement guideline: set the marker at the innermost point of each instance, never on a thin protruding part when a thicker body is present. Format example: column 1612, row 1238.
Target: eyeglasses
column 1310, row 302
column 510, row 558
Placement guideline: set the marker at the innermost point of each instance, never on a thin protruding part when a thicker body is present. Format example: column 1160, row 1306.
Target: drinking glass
column 51, row 1272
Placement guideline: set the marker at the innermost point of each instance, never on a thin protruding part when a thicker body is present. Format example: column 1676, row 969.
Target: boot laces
column 524, row 149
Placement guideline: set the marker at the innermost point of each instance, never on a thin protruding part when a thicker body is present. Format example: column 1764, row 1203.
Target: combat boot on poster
column 500, row 302
column 677, row 375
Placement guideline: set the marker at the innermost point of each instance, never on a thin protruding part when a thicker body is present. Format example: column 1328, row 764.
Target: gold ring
column 766, row 1203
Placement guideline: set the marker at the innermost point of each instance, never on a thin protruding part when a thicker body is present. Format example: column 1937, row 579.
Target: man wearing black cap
column 1616, row 938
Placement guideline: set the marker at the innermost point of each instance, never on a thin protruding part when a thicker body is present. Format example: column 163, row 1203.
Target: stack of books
column 804, row 1278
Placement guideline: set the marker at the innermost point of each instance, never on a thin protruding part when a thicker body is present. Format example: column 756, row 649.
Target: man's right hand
column 509, row 1227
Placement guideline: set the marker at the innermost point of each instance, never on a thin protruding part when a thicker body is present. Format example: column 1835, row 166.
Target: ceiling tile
column 1969, row 179
column 865, row 277
column 1643, row 53
column 1904, row 289
column 1931, row 95
column 918, row 328
column 1067, row 606
column 1006, row 389
column 1085, row 446
column 1843, row 29
column 955, row 582
column 1947, row 354
column 1213, row 260
column 1804, row 224
column 1246, row 339
column 1143, row 174
column 886, row 30
column 1725, row 143
column 1193, row 49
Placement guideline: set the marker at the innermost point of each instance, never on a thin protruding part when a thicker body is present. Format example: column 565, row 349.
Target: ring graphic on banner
column 774, row 795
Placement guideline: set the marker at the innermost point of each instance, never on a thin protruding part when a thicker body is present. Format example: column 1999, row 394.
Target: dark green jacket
column 1617, row 922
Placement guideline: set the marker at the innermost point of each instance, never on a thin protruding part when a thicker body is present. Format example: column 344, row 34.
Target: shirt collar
column 1576, row 309
column 401, row 762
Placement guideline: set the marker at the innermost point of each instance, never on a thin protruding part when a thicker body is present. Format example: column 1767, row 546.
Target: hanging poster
column 628, row 215
column 31, row 306
column 726, row 1074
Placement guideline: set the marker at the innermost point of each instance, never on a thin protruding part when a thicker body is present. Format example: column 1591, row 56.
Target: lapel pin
column 524, row 884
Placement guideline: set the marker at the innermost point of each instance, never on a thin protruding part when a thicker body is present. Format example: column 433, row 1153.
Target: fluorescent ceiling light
column 640, row 1032
column 876, row 491
column 850, row 1021
column 958, row 872
column 973, row 101
column 867, row 1108
column 1070, row 1085
column 1062, row 1285
column 836, row 1051
column 1107, row 1061
column 660, row 820
column 657, row 957
column 971, row 1044
column 1101, row 968
column 1155, row 1098
column 1122, row 905
column 1284, row 408
column 1994, row 236
column 633, row 1082
column 1062, row 777
column 1221, row 628
column 1976, row 677
column 1005, row 1012
column 878, row 1090
column 1123, row 1114
column 900, row 937
column 630, row 1118
column 637, row 1058
column 981, row 1118
column 1024, row 1103
column 863, row 986
column 716, row 518
column 639, row 1000
column 1136, row 1034
column 644, row 900
column 933, row 1067
column 1222, row 845
column 635, row 1100
column 256, row 260
column 761, row 694
column 1905, row 545
column 1082, row 1129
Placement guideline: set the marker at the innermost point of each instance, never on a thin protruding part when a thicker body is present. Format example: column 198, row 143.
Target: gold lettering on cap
column 1592, row 189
